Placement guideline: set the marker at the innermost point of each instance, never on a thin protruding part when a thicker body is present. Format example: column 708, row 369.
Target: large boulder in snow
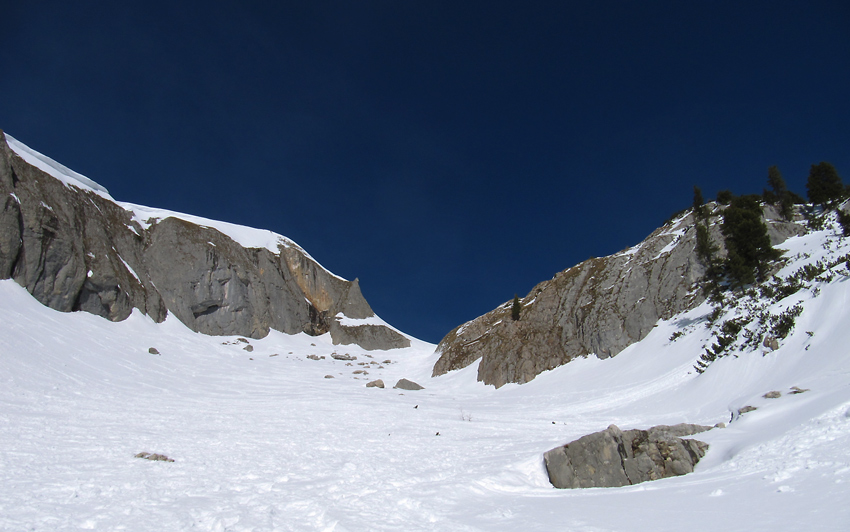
column 73, row 247
column 612, row 458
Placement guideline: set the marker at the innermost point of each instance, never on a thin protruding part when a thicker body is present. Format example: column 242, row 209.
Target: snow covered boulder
column 612, row 458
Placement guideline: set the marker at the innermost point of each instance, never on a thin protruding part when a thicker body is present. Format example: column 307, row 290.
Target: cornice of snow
column 247, row 237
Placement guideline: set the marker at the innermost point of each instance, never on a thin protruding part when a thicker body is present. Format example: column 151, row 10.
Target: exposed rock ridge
column 598, row 307
column 74, row 248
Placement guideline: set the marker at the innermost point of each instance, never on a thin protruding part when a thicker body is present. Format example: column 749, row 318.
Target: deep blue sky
column 449, row 154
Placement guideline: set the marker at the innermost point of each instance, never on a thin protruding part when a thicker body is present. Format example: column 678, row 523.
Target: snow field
column 263, row 441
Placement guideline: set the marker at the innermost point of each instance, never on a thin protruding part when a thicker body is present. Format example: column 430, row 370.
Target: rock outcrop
column 404, row 384
column 73, row 247
column 598, row 307
column 367, row 335
column 612, row 458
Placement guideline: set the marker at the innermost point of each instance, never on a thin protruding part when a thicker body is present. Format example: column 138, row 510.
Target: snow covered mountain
column 275, row 433
column 598, row 307
column 75, row 248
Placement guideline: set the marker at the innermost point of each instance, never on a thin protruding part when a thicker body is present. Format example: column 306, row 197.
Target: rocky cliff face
column 598, row 307
column 73, row 248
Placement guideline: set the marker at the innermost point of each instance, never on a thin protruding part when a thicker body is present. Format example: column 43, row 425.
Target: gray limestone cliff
column 598, row 307
column 74, row 248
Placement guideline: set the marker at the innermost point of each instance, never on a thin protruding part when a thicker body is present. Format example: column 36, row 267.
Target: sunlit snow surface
column 51, row 167
column 265, row 442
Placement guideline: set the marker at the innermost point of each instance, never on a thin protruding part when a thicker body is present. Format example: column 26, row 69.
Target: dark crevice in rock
column 319, row 323
column 621, row 450
column 13, row 241
column 204, row 311
column 78, row 299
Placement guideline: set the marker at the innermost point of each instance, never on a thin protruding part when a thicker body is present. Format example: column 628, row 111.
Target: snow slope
column 263, row 441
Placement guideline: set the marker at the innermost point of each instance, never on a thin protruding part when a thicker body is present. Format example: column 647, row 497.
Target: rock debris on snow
column 155, row 457
column 745, row 409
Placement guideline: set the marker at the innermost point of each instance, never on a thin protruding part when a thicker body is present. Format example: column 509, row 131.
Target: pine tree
column 824, row 184
column 747, row 243
column 780, row 192
column 699, row 203
column 724, row 197
column 515, row 308
column 705, row 248
column 844, row 220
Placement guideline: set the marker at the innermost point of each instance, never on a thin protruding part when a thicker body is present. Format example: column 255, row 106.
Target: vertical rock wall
column 75, row 249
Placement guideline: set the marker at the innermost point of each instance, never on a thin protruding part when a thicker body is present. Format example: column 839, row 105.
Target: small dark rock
column 772, row 395
column 153, row 351
column 329, row 376
column 154, row 457
column 248, row 348
column 337, row 356
column 313, row 357
column 375, row 384
column 795, row 390
column 744, row 409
